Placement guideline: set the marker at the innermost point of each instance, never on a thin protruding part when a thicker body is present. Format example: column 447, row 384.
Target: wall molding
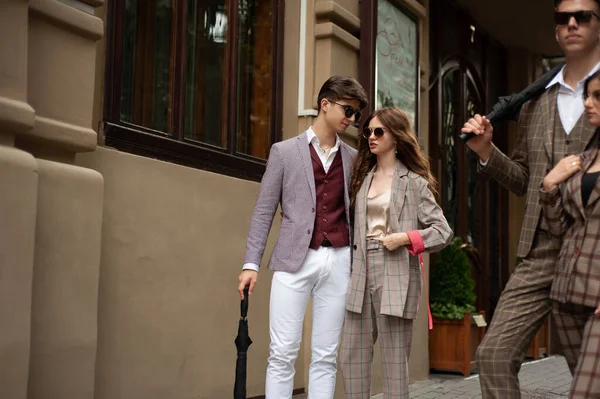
column 70, row 137
column 330, row 30
column 332, row 11
column 61, row 14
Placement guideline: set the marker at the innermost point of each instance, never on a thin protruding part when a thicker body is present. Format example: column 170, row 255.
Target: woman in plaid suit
column 395, row 216
column 572, row 214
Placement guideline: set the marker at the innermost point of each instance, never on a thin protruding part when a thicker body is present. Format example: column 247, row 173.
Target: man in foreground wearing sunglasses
column 309, row 175
column 551, row 126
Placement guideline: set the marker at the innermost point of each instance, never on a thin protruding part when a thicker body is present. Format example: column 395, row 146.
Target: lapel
column 573, row 185
column 304, row 151
column 399, row 188
column 548, row 118
column 347, row 166
column 588, row 160
column 587, row 133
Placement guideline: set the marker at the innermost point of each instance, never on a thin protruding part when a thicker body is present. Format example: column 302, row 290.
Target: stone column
column 62, row 39
column 18, row 197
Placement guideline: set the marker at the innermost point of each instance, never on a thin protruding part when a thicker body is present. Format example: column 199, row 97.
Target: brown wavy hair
column 408, row 150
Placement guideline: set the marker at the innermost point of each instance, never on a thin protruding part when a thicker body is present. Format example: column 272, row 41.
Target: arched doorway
column 468, row 73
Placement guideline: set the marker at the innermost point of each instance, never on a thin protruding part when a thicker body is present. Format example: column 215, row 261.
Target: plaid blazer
column 412, row 207
column 577, row 276
column 531, row 159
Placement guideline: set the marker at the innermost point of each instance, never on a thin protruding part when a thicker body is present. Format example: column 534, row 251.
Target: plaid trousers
column 361, row 331
column 521, row 311
column 579, row 331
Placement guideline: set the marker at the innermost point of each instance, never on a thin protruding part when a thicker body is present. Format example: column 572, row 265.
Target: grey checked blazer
column 412, row 207
column 531, row 160
column 289, row 180
column 577, row 276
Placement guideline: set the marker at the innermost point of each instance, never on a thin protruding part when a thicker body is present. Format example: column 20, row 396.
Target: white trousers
column 324, row 276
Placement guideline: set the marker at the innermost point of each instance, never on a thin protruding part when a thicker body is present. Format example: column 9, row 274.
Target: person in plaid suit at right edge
column 550, row 127
column 572, row 211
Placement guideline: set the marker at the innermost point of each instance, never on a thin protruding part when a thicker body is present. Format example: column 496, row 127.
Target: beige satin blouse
column 377, row 215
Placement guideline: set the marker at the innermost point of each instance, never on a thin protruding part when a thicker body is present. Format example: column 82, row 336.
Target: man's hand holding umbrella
column 481, row 142
column 477, row 132
column 248, row 279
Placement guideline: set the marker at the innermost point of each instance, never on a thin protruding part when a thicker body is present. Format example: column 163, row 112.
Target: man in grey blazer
column 309, row 175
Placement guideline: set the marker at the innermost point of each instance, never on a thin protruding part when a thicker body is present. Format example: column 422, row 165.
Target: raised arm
column 511, row 173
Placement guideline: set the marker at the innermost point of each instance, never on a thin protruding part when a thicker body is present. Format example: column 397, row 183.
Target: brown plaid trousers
column 576, row 286
column 579, row 330
column 525, row 301
column 385, row 286
column 361, row 331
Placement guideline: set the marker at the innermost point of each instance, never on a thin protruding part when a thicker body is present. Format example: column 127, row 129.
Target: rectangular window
column 192, row 81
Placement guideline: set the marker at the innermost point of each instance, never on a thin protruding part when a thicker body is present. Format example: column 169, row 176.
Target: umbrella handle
column 244, row 304
column 466, row 136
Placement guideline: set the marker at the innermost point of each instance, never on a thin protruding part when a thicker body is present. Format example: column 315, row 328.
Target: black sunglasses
column 377, row 131
column 581, row 17
column 349, row 111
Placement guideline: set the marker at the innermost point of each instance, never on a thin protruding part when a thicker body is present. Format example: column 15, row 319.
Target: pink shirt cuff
column 416, row 245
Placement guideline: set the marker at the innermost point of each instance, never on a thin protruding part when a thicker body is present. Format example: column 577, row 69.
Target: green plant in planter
column 452, row 290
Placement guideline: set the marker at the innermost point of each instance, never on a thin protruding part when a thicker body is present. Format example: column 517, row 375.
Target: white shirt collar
column 560, row 78
column 310, row 135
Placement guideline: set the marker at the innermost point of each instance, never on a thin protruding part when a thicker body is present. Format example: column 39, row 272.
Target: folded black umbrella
column 508, row 108
column 242, row 342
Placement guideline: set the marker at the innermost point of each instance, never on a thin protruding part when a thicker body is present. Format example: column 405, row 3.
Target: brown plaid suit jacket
column 412, row 207
column 531, row 160
column 577, row 277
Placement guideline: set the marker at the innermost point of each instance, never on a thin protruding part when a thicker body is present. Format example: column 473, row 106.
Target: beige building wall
column 167, row 222
column 51, row 210
column 18, row 204
column 119, row 271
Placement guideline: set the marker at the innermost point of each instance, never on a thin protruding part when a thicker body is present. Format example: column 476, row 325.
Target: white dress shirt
column 569, row 100
column 326, row 161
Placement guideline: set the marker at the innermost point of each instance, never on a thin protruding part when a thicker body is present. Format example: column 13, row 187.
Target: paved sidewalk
column 546, row 378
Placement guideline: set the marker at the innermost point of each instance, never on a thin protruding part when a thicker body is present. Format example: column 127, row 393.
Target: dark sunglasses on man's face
column 349, row 111
column 581, row 17
column 377, row 131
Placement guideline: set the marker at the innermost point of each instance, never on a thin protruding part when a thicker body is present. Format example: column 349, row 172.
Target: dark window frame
column 174, row 147
column 368, row 47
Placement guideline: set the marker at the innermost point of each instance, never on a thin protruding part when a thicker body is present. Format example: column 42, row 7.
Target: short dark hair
column 557, row 2
column 595, row 75
column 343, row 88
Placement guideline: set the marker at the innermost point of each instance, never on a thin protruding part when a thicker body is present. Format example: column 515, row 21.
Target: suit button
column 324, row 207
column 567, row 142
column 326, row 181
column 313, row 210
column 308, row 231
column 324, row 220
column 577, row 250
column 354, row 246
column 325, row 195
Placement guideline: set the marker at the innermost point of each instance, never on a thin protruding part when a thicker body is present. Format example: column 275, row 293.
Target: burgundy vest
column 330, row 214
